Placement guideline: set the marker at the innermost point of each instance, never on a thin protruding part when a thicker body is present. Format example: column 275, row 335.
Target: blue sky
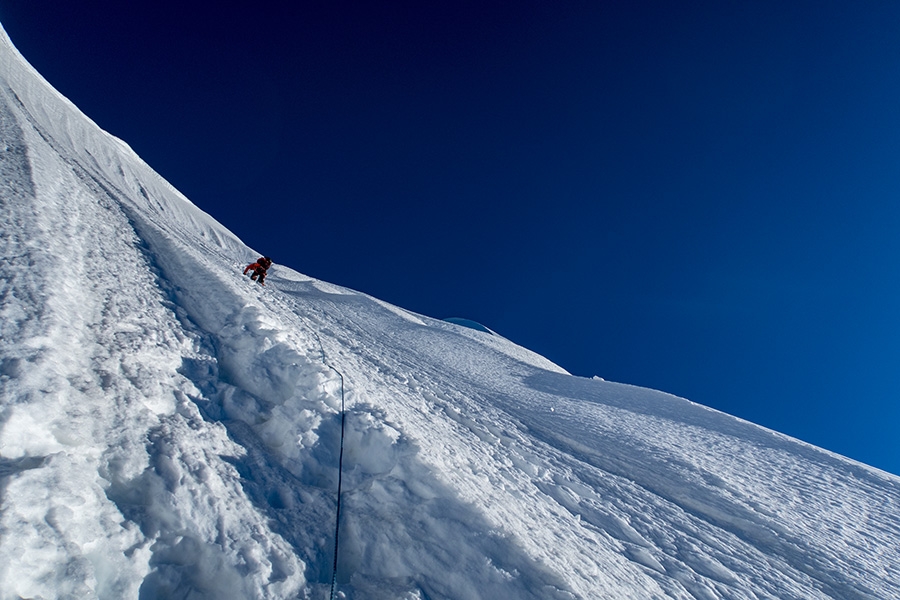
column 696, row 197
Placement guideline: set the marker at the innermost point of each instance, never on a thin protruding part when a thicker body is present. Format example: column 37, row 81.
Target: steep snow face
column 170, row 429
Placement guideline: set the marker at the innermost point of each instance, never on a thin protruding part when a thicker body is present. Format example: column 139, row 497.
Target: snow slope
column 169, row 429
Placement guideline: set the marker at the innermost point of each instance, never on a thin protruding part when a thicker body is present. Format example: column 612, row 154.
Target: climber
column 259, row 269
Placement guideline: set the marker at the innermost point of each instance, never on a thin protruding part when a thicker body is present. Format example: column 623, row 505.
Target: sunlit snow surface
column 170, row 429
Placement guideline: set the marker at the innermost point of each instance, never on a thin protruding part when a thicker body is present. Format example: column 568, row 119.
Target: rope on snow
column 337, row 519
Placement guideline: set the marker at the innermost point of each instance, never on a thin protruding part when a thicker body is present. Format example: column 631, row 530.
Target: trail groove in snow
column 170, row 429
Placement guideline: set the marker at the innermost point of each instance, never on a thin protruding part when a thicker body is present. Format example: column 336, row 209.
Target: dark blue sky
column 698, row 197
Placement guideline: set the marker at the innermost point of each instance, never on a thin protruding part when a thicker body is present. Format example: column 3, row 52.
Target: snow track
column 93, row 367
column 170, row 429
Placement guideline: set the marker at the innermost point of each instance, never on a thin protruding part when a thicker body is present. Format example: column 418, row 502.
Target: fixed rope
column 337, row 518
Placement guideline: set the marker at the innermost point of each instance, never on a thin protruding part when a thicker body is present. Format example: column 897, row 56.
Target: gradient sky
column 698, row 197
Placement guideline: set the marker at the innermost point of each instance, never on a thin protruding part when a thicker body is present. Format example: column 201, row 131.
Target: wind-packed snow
column 170, row 429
